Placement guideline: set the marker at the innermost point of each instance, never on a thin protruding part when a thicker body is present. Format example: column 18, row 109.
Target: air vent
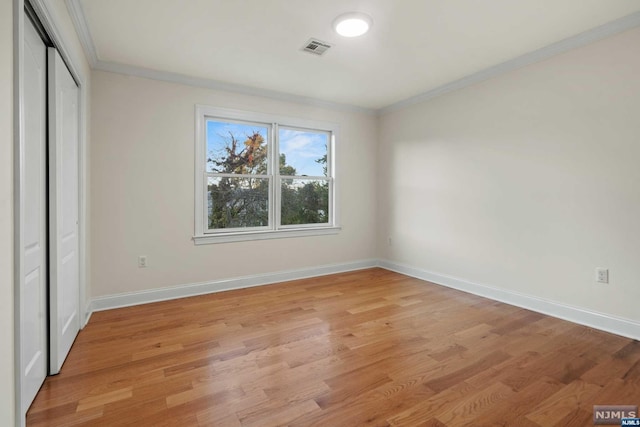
column 316, row 47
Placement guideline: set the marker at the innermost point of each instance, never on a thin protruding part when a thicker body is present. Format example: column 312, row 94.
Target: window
column 260, row 176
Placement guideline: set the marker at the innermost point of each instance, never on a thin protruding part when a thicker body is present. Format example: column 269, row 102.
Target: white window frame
column 273, row 231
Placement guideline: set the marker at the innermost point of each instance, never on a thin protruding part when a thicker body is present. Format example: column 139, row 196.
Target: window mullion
column 235, row 175
column 276, row 176
column 205, row 205
column 331, row 174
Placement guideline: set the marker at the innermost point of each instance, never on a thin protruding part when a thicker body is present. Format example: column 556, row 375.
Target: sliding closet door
column 64, row 316
column 33, row 284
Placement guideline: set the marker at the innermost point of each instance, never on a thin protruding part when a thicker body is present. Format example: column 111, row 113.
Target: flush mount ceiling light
column 352, row 24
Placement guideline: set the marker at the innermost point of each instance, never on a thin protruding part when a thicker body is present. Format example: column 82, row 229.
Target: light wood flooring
column 366, row 348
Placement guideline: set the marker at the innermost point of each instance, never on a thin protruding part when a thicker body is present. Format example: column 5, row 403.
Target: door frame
column 48, row 22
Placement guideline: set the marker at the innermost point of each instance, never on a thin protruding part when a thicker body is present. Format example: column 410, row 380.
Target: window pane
column 303, row 152
column 238, row 202
column 304, row 201
column 236, row 147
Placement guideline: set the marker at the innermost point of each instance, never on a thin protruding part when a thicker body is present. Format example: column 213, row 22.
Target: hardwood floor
column 371, row 347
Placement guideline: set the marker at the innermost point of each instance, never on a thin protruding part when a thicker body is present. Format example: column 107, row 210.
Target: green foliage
column 243, row 201
column 323, row 161
column 238, row 202
column 304, row 202
column 285, row 169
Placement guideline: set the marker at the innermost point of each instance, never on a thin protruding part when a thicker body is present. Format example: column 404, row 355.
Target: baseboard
column 620, row 326
column 193, row 289
column 87, row 315
column 616, row 325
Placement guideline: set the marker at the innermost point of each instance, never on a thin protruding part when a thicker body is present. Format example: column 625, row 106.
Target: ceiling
column 414, row 47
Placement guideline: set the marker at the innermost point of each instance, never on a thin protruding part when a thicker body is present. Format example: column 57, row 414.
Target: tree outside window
column 248, row 189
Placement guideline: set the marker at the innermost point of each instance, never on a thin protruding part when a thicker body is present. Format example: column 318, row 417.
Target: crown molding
column 148, row 73
column 590, row 36
column 84, row 34
column 79, row 20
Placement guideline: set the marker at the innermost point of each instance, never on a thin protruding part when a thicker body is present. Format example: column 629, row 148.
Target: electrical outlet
column 602, row 275
column 142, row 261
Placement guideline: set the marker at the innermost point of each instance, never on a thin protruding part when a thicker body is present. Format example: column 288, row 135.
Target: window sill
column 208, row 239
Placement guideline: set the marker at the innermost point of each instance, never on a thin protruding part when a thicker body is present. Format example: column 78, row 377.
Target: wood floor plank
column 428, row 408
column 506, row 413
column 466, row 410
column 576, row 395
column 363, row 348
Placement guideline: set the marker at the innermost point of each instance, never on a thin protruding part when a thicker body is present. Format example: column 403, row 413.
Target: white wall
column 6, row 214
column 142, row 186
column 526, row 182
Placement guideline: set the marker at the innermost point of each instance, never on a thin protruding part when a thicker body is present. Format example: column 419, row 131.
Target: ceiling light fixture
column 352, row 24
